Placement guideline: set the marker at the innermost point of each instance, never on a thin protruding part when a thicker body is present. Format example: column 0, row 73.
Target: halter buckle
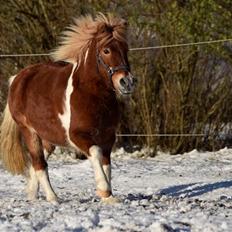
column 110, row 71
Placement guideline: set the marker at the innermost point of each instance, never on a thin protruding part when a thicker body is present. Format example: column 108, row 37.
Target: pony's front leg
column 106, row 164
column 102, row 177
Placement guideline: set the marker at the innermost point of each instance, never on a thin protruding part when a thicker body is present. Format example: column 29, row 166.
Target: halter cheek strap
column 111, row 70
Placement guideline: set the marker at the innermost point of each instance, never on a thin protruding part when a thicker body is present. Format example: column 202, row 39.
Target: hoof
column 32, row 196
column 103, row 194
column 53, row 200
column 110, row 200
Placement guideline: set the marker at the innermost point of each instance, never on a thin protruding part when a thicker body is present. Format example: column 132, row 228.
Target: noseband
column 111, row 70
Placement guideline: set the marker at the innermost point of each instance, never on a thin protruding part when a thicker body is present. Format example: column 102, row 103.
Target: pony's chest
column 105, row 119
column 101, row 119
column 96, row 114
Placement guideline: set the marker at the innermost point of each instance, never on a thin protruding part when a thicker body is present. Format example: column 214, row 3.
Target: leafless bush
column 181, row 90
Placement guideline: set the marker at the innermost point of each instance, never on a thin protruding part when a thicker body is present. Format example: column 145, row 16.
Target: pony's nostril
column 123, row 82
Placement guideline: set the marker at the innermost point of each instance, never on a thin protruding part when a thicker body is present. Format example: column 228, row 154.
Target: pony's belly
column 48, row 127
column 54, row 135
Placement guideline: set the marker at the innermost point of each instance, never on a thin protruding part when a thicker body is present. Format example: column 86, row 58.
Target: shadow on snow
column 191, row 191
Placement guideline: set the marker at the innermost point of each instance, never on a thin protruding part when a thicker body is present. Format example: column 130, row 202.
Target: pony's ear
column 124, row 23
column 120, row 25
column 104, row 28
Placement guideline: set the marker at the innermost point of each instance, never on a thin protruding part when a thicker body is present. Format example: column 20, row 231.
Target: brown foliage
column 181, row 90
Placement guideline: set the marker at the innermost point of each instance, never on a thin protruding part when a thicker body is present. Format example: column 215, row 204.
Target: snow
column 190, row 192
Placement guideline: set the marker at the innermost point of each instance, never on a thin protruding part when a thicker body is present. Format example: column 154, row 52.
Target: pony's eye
column 106, row 50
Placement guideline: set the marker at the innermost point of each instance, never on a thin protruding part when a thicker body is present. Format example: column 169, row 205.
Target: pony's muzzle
column 127, row 84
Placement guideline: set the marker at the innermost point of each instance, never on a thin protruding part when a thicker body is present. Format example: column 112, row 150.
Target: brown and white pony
column 69, row 102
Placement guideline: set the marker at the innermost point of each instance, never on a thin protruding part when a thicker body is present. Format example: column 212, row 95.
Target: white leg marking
column 65, row 118
column 43, row 178
column 32, row 185
column 111, row 199
column 107, row 171
column 46, row 154
column 96, row 160
column 86, row 55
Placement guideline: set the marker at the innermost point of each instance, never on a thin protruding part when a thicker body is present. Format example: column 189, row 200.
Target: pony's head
column 108, row 35
column 111, row 54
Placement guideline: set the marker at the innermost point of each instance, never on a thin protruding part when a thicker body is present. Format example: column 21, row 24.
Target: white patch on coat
column 65, row 118
column 43, row 178
column 96, row 160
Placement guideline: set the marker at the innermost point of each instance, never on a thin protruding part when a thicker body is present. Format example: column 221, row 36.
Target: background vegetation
column 181, row 90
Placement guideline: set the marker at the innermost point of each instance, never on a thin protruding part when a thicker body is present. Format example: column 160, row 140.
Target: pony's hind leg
column 38, row 173
column 32, row 184
column 48, row 149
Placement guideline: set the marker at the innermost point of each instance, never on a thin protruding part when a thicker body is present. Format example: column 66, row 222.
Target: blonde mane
column 77, row 38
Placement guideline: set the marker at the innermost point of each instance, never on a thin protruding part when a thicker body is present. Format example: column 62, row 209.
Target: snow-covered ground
column 190, row 192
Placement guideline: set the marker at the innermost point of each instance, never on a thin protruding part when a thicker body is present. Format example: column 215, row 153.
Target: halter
column 110, row 70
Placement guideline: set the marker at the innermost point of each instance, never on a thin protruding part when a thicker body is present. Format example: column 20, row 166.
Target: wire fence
column 219, row 135
column 143, row 49
column 132, row 49
column 162, row 135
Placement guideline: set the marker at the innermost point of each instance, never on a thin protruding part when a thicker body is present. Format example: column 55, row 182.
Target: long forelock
column 78, row 37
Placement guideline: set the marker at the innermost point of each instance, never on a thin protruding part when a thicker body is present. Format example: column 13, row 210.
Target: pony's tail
column 12, row 150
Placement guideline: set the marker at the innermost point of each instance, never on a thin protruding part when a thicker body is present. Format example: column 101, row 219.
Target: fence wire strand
column 182, row 44
column 131, row 49
column 162, row 135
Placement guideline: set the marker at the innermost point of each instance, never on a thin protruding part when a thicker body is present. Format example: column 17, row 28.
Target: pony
column 70, row 101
